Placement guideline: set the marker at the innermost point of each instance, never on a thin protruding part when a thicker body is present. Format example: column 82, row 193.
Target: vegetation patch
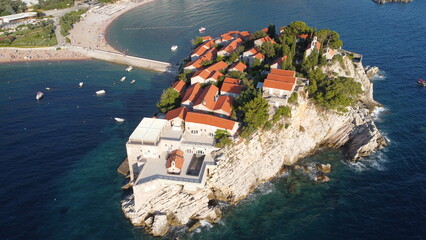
column 41, row 34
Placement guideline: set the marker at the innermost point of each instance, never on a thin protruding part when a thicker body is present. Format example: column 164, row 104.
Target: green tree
column 258, row 34
column 255, row 111
column 271, row 31
column 197, row 41
column 170, row 99
column 315, row 77
column 283, row 111
column 337, row 93
column 233, row 57
column 222, row 138
column 267, row 49
column 293, row 98
column 329, row 38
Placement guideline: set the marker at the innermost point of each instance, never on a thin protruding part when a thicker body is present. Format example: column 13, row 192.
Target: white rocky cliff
column 243, row 166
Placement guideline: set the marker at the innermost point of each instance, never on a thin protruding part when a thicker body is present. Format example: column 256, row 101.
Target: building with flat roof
column 153, row 160
column 17, row 17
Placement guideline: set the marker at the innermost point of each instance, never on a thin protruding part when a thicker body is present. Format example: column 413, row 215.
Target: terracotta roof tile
column 283, row 72
column 217, row 66
column 238, row 67
column 279, row 61
column 192, row 93
column 231, row 88
column 232, row 80
column 259, row 56
column 214, row 76
column 203, row 73
column 206, row 38
column 177, row 157
column 178, row 112
column 281, row 78
column 224, row 103
column 277, row 85
column 232, row 46
column 206, row 119
column 207, row 97
column 179, row 85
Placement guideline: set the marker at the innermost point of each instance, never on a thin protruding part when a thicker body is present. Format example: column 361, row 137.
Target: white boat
column 129, row 68
column 202, row 29
column 100, row 92
column 39, row 95
column 48, row 88
column 81, row 84
column 174, row 48
column 133, row 81
column 122, row 79
column 119, row 119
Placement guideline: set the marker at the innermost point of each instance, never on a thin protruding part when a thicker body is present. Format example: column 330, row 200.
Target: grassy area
column 30, row 35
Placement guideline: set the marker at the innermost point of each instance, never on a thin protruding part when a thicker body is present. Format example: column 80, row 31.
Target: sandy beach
column 89, row 33
column 11, row 55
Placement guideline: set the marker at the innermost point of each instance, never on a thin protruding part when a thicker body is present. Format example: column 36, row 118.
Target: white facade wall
column 197, row 79
column 206, row 130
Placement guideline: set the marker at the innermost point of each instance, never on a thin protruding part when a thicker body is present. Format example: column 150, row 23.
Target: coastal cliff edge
column 242, row 166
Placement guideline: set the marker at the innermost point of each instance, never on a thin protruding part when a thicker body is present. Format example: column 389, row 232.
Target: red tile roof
column 278, row 85
column 207, row 97
column 207, row 56
column 232, row 46
column 178, row 112
column 265, row 30
column 266, row 39
column 304, row 36
column 203, row 48
column 281, row 78
column 244, row 34
column 214, row 75
column 283, row 72
column 177, row 157
column 203, row 73
column 231, row 80
column 202, row 118
column 279, row 61
column 217, row 66
column 179, row 85
column 206, row 38
column 224, row 103
column 231, row 88
column 238, row 67
column 192, row 93
column 259, row 56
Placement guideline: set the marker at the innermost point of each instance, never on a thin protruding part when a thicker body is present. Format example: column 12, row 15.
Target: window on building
column 194, row 131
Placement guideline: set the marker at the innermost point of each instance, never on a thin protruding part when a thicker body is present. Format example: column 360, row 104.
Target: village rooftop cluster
column 175, row 147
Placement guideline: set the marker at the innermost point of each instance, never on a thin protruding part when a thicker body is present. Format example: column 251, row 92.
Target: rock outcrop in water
column 386, row 1
column 243, row 166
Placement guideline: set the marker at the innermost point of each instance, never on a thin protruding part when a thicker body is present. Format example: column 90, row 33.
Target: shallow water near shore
column 60, row 154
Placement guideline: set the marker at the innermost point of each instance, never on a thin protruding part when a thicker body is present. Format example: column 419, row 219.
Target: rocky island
column 244, row 108
column 386, row 1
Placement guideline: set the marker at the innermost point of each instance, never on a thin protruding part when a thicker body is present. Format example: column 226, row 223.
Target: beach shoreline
column 88, row 33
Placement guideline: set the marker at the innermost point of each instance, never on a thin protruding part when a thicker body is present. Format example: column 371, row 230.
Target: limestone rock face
column 371, row 71
column 244, row 165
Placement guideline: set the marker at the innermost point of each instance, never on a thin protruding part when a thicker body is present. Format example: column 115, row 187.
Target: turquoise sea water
column 59, row 155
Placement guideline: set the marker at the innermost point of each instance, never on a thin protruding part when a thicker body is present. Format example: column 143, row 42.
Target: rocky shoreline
column 386, row 1
column 244, row 165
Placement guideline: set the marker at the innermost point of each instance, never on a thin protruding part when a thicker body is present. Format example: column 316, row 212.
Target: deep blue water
column 60, row 154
